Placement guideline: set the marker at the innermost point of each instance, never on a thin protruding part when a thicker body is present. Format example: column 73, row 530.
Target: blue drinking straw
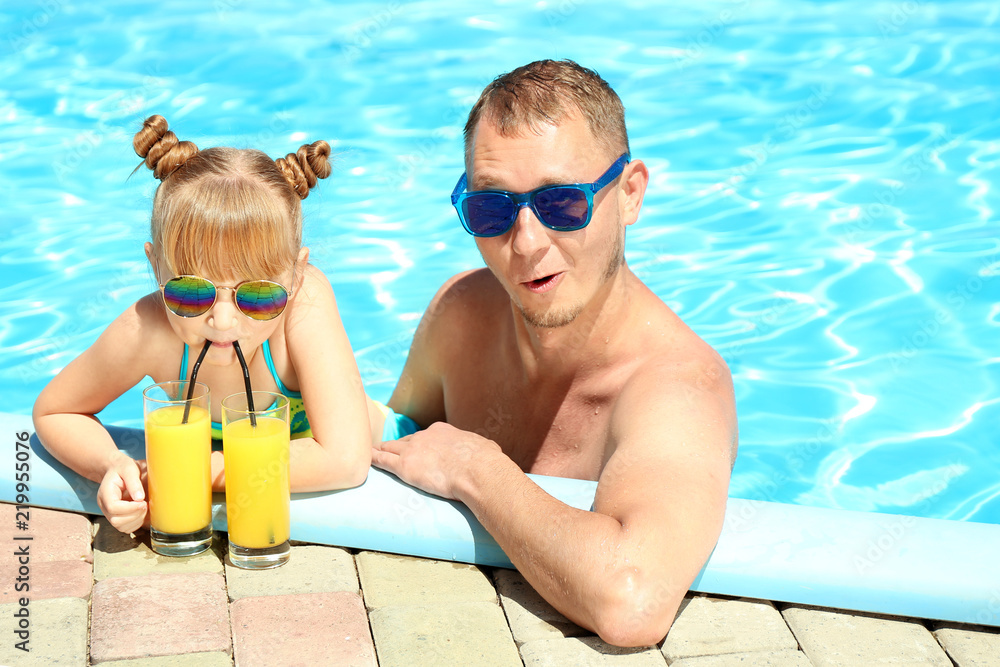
column 194, row 375
column 246, row 381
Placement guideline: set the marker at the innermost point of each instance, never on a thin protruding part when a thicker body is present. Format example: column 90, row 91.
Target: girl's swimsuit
column 299, row 423
column 396, row 425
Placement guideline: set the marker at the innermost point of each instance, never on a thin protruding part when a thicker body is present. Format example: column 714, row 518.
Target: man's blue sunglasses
column 564, row 208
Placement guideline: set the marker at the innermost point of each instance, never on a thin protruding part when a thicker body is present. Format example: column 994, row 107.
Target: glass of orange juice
column 179, row 467
column 257, row 486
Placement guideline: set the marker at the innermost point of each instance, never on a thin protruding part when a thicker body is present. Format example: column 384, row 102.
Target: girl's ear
column 300, row 268
column 148, row 247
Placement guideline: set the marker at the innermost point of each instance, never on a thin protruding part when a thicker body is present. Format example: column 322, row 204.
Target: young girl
column 227, row 223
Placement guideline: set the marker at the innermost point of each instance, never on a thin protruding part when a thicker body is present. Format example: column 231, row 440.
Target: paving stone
column 57, row 633
column 159, row 614
column 832, row 638
column 55, row 535
column 755, row 659
column 587, row 652
column 119, row 555
column 463, row 633
column 59, row 579
column 310, row 629
column 711, row 626
column 388, row 579
column 187, row 660
column 310, row 569
column 969, row 645
column 529, row 615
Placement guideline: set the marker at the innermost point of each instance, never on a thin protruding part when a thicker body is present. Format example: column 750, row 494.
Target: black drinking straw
column 246, row 381
column 194, row 375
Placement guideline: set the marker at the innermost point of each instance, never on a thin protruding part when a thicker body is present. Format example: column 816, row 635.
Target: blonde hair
column 545, row 92
column 227, row 212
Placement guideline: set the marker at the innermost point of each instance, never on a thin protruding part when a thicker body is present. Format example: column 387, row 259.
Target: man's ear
column 635, row 178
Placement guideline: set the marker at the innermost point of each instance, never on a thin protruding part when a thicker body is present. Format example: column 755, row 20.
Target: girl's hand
column 121, row 495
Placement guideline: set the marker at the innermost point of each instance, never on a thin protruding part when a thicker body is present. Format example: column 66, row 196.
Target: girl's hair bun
column 302, row 168
column 160, row 147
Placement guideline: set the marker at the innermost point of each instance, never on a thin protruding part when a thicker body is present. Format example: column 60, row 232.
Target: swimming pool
column 822, row 205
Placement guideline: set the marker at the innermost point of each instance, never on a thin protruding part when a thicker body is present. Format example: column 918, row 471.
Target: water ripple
column 822, row 205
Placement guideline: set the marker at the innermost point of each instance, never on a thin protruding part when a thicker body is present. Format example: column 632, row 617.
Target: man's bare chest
column 545, row 432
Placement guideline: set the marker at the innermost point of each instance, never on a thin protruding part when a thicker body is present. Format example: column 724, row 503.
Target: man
column 558, row 360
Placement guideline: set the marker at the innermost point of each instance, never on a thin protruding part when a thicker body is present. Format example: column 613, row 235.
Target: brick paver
column 119, row 555
column 587, row 652
column 188, row 660
column 969, row 646
column 388, row 579
column 462, row 633
column 310, row 569
column 712, row 626
column 530, row 617
column 755, row 659
column 58, row 579
column 57, row 633
column 159, row 614
column 834, row 639
column 310, row 629
column 55, row 535
column 174, row 612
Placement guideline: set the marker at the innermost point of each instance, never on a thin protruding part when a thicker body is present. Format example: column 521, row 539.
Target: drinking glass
column 179, row 467
column 255, row 445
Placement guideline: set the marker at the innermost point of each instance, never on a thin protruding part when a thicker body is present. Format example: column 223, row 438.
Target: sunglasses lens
column 261, row 299
column 188, row 296
column 488, row 214
column 563, row 209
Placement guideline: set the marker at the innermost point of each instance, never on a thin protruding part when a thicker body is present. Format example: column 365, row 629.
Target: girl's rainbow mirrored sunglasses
column 193, row 296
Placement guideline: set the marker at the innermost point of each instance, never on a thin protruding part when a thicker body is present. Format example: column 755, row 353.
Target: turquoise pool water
column 822, row 207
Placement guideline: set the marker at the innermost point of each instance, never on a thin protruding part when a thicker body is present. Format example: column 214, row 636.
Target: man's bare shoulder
column 680, row 377
column 477, row 289
column 465, row 304
column 457, row 325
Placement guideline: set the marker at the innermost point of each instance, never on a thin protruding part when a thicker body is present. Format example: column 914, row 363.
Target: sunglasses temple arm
column 612, row 172
column 462, row 182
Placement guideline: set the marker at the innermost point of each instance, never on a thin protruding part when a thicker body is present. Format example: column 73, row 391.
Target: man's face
column 550, row 276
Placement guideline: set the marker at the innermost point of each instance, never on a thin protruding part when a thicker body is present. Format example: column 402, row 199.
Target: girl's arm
column 64, row 413
column 339, row 453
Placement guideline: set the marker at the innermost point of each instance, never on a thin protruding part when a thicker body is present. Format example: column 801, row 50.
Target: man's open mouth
column 544, row 283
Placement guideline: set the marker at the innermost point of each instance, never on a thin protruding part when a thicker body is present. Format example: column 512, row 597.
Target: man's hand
column 121, row 495
column 435, row 460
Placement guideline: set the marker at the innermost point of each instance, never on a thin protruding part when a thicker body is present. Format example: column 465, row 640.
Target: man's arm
column 623, row 569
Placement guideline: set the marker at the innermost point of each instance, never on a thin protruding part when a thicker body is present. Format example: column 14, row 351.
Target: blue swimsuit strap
column 217, row 427
column 274, row 373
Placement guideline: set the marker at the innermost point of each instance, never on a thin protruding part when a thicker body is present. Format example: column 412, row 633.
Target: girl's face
column 224, row 322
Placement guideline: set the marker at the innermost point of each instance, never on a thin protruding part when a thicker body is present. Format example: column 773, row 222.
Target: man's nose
column 529, row 235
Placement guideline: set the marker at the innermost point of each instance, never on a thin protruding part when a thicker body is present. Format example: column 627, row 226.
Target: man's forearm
column 585, row 564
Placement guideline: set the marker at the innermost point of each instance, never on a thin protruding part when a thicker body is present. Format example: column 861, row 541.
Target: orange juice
column 179, row 460
column 257, row 487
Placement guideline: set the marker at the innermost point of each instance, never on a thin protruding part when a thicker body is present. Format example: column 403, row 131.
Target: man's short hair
column 545, row 92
